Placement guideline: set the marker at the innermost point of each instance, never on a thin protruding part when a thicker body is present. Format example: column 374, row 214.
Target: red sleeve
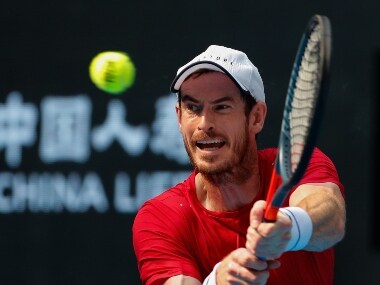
column 158, row 243
column 321, row 169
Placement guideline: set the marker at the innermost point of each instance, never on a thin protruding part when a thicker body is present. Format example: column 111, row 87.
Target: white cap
column 232, row 62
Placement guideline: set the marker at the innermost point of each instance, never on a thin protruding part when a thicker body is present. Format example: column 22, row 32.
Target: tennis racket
column 302, row 112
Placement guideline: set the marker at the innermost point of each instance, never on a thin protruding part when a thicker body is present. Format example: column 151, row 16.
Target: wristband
column 302, row 228
column 211, row 278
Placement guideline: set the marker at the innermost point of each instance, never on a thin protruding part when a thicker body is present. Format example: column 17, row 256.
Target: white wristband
column 302, row 228
column 211, row 278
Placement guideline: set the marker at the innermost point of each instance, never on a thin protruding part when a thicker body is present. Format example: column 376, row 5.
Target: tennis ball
column 112, row 71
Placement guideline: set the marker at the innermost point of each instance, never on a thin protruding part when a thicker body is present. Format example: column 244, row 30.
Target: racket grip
column 270, row 214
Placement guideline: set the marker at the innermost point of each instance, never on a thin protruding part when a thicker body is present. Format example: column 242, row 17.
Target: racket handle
column 270, row 214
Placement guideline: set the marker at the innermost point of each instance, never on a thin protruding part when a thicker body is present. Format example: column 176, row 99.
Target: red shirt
column 174, row 234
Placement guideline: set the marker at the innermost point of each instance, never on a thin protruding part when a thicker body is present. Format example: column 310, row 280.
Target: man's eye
column 222, row 107
column 193, row 108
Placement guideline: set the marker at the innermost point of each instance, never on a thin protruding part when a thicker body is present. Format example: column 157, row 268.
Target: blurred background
column 76, row 163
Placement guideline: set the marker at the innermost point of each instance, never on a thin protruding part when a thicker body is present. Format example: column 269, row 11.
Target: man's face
column 213, row 124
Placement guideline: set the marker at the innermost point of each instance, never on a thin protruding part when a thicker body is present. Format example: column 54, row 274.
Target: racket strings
column 304, row 97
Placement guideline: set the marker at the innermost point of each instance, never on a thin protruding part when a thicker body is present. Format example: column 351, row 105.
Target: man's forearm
column 326, row 207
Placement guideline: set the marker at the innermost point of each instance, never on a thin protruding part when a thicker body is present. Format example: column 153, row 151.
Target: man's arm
column 238, row 267
column 182, row 280
column 326, row 207
column 323, row 203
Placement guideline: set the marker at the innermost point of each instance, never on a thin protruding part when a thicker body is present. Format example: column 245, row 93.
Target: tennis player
column 208, row 229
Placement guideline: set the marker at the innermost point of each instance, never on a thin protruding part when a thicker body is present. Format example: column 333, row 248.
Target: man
column 208, row 229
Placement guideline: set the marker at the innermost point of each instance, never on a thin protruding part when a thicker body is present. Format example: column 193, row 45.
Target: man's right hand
column 242, row 267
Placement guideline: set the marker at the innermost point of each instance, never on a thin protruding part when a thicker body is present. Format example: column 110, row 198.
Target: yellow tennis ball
column 112, row 71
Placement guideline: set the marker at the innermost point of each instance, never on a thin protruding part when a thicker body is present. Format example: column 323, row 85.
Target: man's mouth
column 210, row 144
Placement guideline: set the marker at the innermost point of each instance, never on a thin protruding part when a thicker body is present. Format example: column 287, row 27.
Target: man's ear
column 257, row 116
column 178, row 112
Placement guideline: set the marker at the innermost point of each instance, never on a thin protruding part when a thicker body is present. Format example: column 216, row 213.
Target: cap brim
column 191, row 68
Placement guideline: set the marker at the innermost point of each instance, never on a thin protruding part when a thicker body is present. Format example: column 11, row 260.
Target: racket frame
column 283, row 180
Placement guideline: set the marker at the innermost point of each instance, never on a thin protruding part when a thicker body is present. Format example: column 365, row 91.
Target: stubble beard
column 237, row 169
